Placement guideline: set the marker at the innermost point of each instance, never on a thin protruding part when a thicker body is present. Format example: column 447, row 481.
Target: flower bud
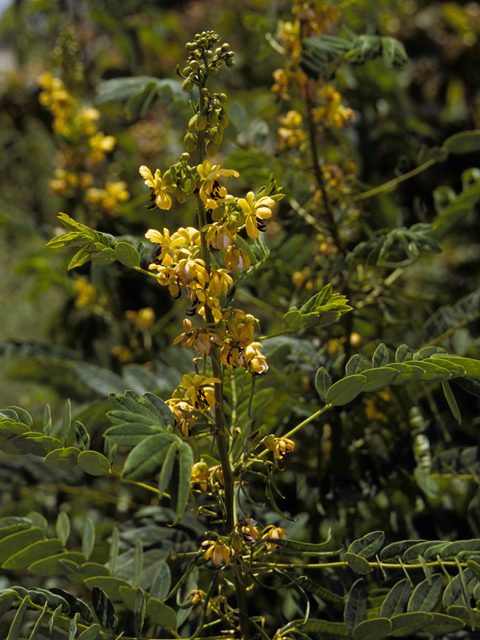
column 194, row 64
column 190, row 141
column 214, row 70
column 230, row 63
column 269, row 442
column 212, row 117
column 201, row 121
column 223, row 118
column 187, row 84
column 223, row 97
column 211, row 149
column 216, row 135
column 192, row 122
column 180, row 195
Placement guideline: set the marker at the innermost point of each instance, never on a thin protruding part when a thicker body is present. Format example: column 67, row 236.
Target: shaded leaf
column 368, row 545
column 62, row 458
column 104, row 609
column 380, row 357
column 32, row 553
column 426, row 594
column 443, row 624
column 62, row 527
column 162, row 614
column 18, row 541
column 323, row 382
column 356, row 605
column 406, row 624
column 376, row 629
column 110, row 585
column 53, row 566
column 358, row 564
column 161, row 583
column 378, row 378
column 147, row 458
column 396, row 600
column 463, row 142
column 127, row 255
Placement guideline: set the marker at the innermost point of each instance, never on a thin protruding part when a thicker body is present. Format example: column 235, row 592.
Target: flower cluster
column 179, row 266
column 82, row 147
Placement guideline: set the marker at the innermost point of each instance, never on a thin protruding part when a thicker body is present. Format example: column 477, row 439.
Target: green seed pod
column 211, row 149
column 190, row 141
column 223, row 118
column 216, row 135
column 191, row 123
column 187, row 84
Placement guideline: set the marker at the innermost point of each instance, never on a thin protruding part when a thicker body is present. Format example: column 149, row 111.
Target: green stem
column 220, row 431
column 395, row 182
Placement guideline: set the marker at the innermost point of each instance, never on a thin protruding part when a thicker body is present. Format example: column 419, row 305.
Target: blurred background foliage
column 83, row 333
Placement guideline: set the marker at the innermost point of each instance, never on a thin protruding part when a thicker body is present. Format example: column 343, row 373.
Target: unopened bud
column 187, row 85
column 201, row 121
column 223, row 118
column 269, row 442
column 212, row 117
column 211, row 149
column 190, row 141
column 180, row 195
column 192, row 123
column 230, row 63
column 216, row 135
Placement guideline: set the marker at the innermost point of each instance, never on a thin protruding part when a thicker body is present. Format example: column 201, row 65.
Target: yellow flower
column 255, row 213
column 220, row 281
column 199, row 339
column 254, row 359
column 217, row 236
column 182, row 412
column 280, row 446
column 160, row 188
column 167, row 244
column 236, row 259
column 218, row 552
column 248, row 530
column 199, row 391
column 274, row 533
column 210, row 190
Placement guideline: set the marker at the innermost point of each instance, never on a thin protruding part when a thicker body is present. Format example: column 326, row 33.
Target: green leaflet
column 7, row 598
column 464, row 142
column 358, row 564
column 453, row 549
column 78, row 573
column 104, row 609
column 139, row 611
column 376, row 629
column 396, row 549
column 131, row 434
column 147, row 458
column 452, row 403
column 467, row 616
column 411, row 554
column 406, row 372
column 14, row 528
column 407, row 624
column 322, row 382
column 127, row 255
column 62, row 527
column 345, row 390
column 53, row 566
column 355, row 365
column 76, row 605
column 181, row 478
column 322, row 626
column 443, row 624
column 380, row 357
column 161, row 583
column 356, row 605
column 396, row 600
column 36, row 551
column 93, row 463
column 162, row 614
column 16, row 625
column 432, row 372
column 108, row 584
column 18, row 541
column 88, row 538
column 379, row 378
column 91, row 633
column 368, row 545
column 426, row 594
column 62, row 458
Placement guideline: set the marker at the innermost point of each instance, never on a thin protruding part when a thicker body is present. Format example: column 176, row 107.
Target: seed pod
column 190, row 141
column 211, row 149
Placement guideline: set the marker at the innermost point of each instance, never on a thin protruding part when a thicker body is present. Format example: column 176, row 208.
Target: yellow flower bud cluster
column 82, row 148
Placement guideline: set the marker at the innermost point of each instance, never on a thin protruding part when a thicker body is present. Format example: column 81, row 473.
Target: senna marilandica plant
column 203, row 452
